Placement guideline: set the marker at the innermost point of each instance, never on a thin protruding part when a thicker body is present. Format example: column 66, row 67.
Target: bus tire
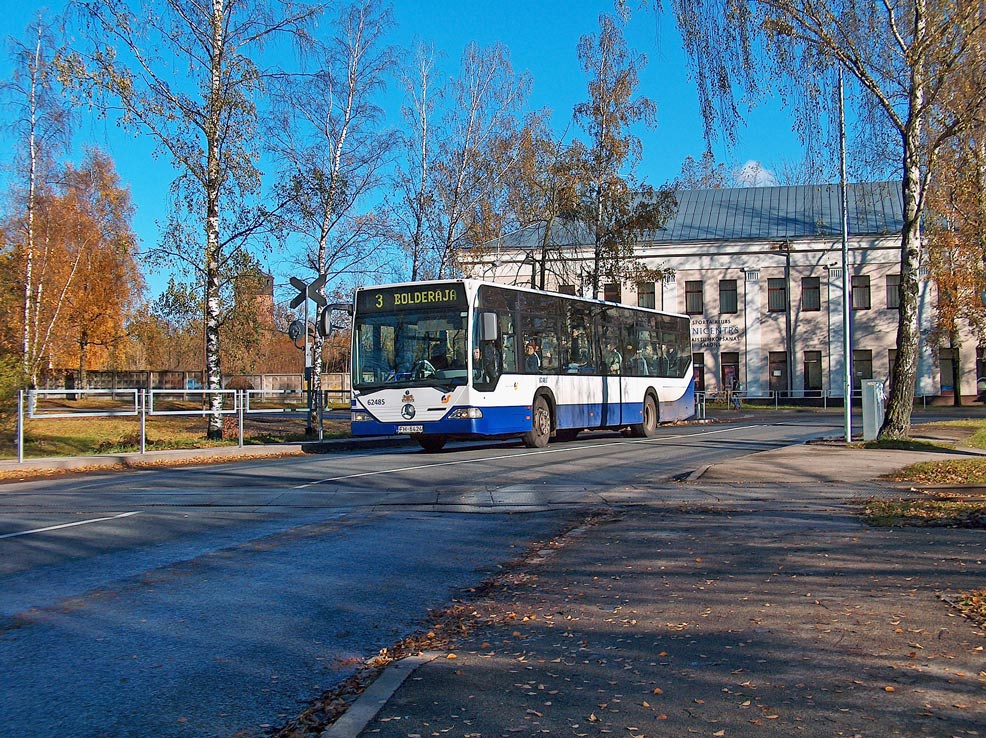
column 431, row 444
column 540, row 432
column 648, row 428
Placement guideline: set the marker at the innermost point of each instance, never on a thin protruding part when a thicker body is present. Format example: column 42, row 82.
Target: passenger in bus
column 578, row 353
column 636, row 364
column 614, row 359
column 478, row 375
column 674, row 367
column 532, row 362
column 664, row 369
column 650, row 359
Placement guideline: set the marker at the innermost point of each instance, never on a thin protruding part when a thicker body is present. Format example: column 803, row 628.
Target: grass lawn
column 969, row 433
column 945, row 508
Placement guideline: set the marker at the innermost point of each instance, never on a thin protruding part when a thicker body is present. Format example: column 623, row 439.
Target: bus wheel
column 540, row 432
column 648, row 428
column 432, row 443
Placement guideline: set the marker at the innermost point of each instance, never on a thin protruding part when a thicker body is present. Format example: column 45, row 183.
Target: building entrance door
column 777, row 367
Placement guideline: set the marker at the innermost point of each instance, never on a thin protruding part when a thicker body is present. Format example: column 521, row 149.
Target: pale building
column 760, row 271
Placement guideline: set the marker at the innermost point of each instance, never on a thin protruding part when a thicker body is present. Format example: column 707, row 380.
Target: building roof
column 757, row 214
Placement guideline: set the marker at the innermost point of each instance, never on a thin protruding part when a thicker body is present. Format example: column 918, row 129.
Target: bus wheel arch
column 542, row 421
column 651, row 412
column 431, row 444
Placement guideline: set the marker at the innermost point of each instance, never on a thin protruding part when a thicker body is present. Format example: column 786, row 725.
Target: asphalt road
column 218, row 601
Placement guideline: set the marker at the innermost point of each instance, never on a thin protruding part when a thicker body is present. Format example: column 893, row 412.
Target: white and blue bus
column 469, row 359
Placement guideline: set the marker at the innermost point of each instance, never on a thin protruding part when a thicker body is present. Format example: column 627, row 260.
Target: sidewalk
column 762, row 607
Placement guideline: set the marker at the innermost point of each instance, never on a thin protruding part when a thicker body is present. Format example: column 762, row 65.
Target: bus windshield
column 410, row 348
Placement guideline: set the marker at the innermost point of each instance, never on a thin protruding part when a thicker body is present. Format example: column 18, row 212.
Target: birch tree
column 335, row 151
column 187, row 74
column 84, row 272
column 411, row 212
column 542, row 193
column 617, row 209
column 956, row 238
column 484, row 103
column 41, row 125
column 107, row 281
column 902, row 55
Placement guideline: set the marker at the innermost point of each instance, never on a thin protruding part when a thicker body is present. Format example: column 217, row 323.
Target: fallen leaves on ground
column 925, row 512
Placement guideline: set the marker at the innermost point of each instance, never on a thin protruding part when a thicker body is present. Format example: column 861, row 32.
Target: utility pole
column 846, row 282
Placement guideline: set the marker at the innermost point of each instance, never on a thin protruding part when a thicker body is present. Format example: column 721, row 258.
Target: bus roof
column 475, row 284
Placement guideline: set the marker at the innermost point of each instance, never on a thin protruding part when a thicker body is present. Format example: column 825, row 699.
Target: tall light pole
column 846, row 283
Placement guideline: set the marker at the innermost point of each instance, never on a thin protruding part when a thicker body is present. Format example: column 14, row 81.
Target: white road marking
column 558, row 449
column 69, row 525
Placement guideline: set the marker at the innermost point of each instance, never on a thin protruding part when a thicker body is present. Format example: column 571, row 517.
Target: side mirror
column 324, row 323
column 489, row 327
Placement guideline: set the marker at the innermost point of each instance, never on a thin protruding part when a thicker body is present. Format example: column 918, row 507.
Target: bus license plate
column 410, row 429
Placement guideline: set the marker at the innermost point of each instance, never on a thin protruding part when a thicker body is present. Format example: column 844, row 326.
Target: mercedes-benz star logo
column 407, row 412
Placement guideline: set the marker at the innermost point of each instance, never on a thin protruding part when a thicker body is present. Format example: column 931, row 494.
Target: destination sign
column 411, row 298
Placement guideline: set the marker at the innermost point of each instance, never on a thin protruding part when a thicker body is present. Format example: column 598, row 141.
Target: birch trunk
column 29, row 366
column 214, row 377
column 897, row 422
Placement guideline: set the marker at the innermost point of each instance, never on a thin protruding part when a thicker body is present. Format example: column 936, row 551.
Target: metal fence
column 807, row 398
column 40, row 404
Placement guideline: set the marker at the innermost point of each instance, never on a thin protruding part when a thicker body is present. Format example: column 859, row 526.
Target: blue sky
column 542, row 36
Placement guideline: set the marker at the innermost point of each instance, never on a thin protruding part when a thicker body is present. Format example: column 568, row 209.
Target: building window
column 813, row 371
column 611, row 292
column 566, row 289
column 777, row 367
column 862, row 366
column 729, row 363
column 645, row 295
column 861, row 292
column 811, row 294
column 776, row 295
column 893, row 292
column 727, row 296
column 693, row 298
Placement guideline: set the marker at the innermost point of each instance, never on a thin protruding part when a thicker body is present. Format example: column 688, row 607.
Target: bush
column 11, row 380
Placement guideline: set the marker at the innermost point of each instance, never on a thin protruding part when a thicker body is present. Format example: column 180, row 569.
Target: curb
column 697, row 474
column 364, row 709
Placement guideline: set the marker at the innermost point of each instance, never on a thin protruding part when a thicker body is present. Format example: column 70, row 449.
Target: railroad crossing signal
column 309, row 291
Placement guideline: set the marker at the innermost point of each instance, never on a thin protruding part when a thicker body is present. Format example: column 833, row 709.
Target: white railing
column 41, row 404
column 156, row 400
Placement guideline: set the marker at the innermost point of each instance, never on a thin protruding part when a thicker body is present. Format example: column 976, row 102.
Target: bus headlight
column 466, row 413
column 358, row 416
